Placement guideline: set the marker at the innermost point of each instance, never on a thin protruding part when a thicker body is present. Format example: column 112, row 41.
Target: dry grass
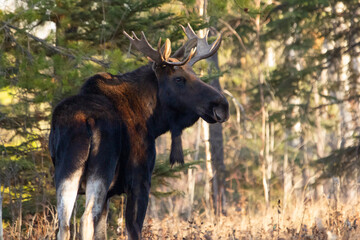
column 38, row 226
column 306, row 220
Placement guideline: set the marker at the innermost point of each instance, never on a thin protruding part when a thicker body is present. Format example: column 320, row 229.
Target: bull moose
column 102, row 140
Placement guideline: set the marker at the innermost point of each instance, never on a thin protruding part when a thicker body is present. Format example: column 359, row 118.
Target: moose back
column 102, row 140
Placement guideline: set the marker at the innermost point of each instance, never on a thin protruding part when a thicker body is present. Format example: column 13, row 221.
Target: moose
column 102, row 140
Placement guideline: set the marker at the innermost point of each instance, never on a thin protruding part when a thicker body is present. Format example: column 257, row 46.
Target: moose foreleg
column 138, row 194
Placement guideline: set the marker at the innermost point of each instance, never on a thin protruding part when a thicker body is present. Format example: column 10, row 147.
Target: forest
column 284, row 166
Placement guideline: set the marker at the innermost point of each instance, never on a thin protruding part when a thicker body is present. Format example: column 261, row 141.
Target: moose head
column 182, row 94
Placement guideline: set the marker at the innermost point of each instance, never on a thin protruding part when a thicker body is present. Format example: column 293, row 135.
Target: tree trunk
column 20, row 209
column 202, row 4
column 354, row 82
column 269, row 150
column 287, row 171
column 319, row 137
column 217, row 148
column 209, row 170
column 305, row 160
column 192, row 172
column 217, row 159
column 262, row 109
column 346, row 126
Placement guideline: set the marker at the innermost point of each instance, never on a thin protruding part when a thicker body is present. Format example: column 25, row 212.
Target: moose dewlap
column 102, row 140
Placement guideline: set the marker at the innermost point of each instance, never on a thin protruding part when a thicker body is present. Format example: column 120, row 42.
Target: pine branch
column 337, row 101
column 59, row 50
column 11, row 37
column 352, row 46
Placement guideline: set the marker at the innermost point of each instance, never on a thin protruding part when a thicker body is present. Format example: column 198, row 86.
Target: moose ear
column 176, row 153
column 167, row 49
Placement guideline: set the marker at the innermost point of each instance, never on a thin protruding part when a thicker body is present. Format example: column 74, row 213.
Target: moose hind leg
column 66, row 194
column 95, row 202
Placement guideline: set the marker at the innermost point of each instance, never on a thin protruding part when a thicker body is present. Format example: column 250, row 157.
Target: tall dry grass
column 304, row 220
column 324, row 219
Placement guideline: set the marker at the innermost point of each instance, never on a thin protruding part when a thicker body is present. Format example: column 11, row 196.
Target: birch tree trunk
column 192, row 172
column 209, row 170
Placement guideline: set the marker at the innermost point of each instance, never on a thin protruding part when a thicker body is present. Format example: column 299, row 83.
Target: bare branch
column 338, row 101
column 238, row 107
column 235, row 33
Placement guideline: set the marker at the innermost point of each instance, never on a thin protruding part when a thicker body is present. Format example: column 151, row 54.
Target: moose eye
column 180, row 80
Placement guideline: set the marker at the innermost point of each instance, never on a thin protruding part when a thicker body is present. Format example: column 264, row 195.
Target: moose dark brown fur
column 102, row 140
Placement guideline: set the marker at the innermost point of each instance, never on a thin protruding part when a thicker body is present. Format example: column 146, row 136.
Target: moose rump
column 102, row 140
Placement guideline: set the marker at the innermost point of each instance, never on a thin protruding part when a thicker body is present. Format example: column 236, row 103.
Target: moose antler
column 144, row 46
column 159, row 56
column 204, row 50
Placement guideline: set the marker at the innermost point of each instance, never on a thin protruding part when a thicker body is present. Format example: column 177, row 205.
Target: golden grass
column 324, row 219
column 320, row 220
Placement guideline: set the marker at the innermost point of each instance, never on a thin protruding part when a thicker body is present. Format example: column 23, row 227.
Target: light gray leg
column 66, row 195
column 95, row 201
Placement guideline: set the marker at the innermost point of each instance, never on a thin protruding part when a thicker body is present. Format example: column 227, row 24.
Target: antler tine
column 186, row 60
column 204, row 50
column 189, row 31
column 144, row 46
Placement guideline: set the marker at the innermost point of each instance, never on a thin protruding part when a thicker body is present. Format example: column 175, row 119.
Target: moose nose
column 221, row 109
column 220, row 114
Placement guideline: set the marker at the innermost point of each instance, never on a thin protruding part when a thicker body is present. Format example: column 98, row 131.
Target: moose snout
column 221, row 109
column 220, row 114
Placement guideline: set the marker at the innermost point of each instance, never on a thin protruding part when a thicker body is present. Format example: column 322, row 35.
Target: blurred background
column 285, row 165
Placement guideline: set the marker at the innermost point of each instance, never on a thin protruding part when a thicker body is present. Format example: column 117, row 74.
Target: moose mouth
column 215, row 115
